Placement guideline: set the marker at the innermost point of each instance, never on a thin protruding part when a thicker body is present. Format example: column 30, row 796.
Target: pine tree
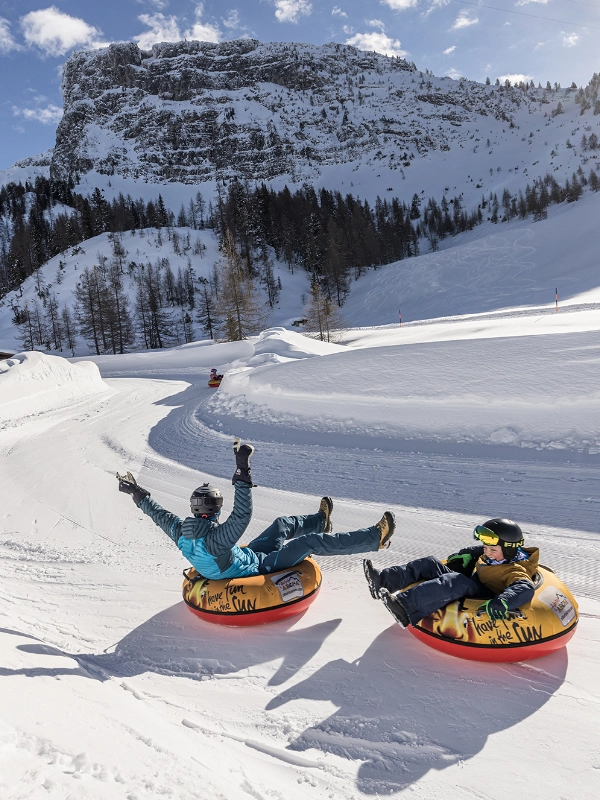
column 119, row 318
column 240, row 307
column 24, row 325
column 87, row 309
column 68, row 327
column 323, row 317
column 53, row 322
column 206, row 313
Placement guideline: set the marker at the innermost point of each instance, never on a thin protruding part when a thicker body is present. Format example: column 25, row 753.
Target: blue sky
column 554, row 40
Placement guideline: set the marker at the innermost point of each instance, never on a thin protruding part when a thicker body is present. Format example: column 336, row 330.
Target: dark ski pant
column 289, row 540
column 440, row 586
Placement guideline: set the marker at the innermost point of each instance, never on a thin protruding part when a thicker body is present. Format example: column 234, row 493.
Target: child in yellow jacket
column 499, row 570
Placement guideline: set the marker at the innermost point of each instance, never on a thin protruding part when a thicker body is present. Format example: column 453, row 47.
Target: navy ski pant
column 440, row 586
column 289, row 540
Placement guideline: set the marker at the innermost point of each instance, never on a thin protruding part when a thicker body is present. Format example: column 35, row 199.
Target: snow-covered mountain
column 188, row 111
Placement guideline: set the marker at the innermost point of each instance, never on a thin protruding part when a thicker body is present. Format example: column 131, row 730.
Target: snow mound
column 468, row 392
column 33, row 383
column 289, row 345
column 273, row 347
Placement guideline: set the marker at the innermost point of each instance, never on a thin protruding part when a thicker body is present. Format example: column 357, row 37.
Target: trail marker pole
column 400, row 317
column 556, row 290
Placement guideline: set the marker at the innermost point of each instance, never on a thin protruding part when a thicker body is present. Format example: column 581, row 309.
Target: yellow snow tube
column 255, row 600
column 537, row 629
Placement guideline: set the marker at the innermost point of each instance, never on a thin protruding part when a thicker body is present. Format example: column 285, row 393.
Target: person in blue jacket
column 212, row 548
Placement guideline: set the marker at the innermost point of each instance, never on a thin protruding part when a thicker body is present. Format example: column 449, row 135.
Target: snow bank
column 536, row 392
column 33, row 383
column 277, row 345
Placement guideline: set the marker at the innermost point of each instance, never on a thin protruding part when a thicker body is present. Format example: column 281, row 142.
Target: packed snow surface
column 111, row 689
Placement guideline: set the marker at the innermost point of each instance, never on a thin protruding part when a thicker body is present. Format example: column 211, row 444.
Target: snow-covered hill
column 177, row 249
column 287, row 113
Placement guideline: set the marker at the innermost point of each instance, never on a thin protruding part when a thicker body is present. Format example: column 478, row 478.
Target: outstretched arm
column 170, row 523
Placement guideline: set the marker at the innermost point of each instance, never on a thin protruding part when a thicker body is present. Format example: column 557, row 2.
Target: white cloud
column 336, row 11
column 348, row 30
column 464, row 20
column 7, row 43
column 379, row 42
column 203, row 31
column 454, row 74
column 47, row 116
column 161, row 29
column 159, row 4
column 376, row 23
column 54, row 33
column 515, row 77
column 526, row 2
column 449, row 50
column 400, row 5
column 232, row 20
column 167, row 29
column 436, row 4
column 570, row 40
column 290, row 10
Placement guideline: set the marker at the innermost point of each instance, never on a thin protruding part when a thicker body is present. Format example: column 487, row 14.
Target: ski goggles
column 486, row 536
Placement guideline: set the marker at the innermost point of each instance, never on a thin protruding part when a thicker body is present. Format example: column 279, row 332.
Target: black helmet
column 206, row 501
column 504, row 532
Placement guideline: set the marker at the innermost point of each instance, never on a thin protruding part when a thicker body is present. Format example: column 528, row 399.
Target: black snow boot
column 326, row 508
column 372, row 576
column 395, row 607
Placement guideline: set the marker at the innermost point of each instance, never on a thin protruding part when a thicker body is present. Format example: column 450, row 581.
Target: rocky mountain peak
column 190, row 111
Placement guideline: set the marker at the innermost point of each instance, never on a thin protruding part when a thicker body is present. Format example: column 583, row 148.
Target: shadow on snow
column 403, row 709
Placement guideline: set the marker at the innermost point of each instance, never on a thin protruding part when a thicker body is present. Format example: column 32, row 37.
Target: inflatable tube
column 255, row 600
column 215, row 382
column 535, row 630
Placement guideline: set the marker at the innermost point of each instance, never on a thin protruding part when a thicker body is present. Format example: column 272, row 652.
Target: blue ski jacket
column 211, row 548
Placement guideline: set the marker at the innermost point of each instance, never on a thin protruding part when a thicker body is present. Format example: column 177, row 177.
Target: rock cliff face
column 192, row 111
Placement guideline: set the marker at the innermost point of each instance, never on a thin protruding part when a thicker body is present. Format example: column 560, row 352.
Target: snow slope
column 111, row 689
column 62, row 273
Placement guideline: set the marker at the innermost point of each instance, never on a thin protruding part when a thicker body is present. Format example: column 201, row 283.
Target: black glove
column 242, row 462
column 129, row 485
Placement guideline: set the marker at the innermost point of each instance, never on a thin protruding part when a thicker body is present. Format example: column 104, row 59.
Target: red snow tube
column 256, row 600
column 535, row 630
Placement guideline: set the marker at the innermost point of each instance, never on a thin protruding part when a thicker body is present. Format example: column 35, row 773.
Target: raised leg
column 295, row 550
column 395, row 578
column 284, row 528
